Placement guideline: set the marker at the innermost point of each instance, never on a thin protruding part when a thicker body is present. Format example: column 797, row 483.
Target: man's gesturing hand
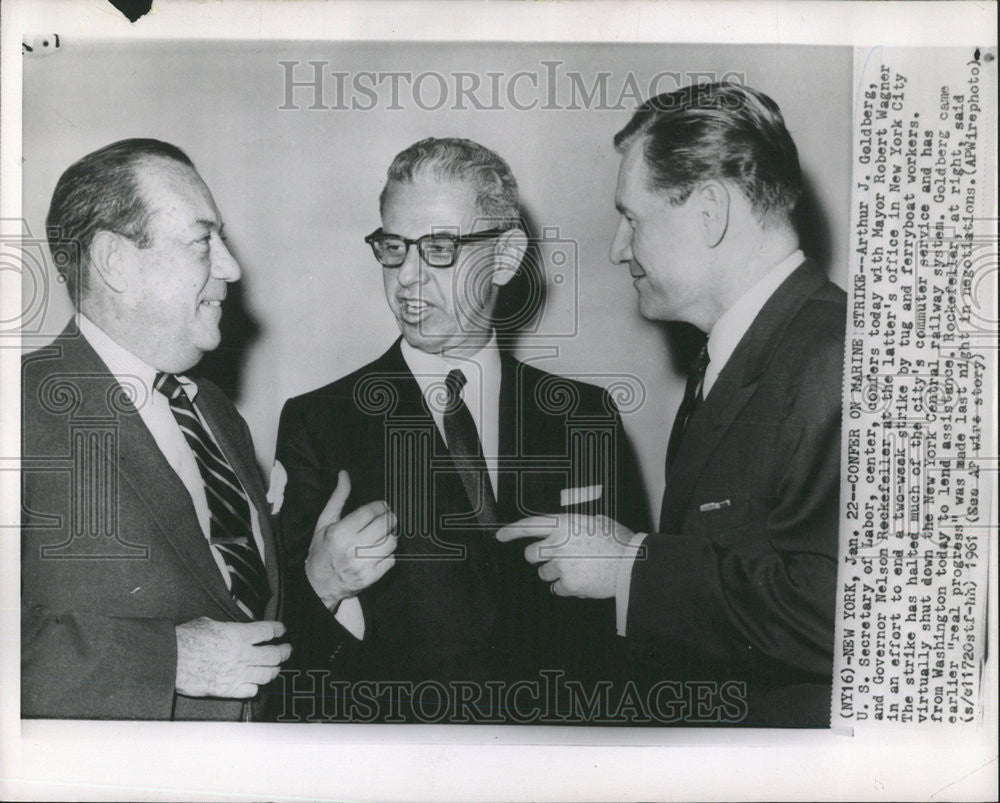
column 227, row 659
column 349, row 554
column 579, row 555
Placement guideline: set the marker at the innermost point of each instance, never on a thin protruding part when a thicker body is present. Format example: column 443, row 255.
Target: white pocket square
column 715, row 506
column 579, row 496
column 276, row 487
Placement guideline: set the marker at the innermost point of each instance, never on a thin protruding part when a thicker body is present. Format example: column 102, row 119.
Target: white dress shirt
column 154, row 410
column 722, row 342
column 481, row 394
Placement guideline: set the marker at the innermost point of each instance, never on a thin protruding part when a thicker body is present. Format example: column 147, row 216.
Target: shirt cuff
column 351, row 617
column 624, row 583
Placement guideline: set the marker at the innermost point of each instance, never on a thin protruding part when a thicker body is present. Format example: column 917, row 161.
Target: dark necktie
column 692, row 398
column 466, row 450
column 230, row 530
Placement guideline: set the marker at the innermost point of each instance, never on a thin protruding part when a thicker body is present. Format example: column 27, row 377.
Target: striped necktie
column 230, row 531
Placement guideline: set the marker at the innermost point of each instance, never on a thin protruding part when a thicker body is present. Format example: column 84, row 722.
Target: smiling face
column 662, row 244
column 440, row 309
column 170, row 304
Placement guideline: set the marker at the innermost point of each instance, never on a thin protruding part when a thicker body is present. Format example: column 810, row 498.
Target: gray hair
column 462, row 160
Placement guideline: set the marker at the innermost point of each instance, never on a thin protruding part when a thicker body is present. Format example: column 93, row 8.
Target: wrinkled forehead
column 426, row 203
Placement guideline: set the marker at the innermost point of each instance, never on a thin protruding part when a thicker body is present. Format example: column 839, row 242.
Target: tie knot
column 167, row 384
column 454, row 383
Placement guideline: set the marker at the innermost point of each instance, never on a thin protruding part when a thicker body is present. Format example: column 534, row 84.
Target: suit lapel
column 409, row 412
column 412, row 406
column 144, row 471
column 410, row 403
column 732, row 390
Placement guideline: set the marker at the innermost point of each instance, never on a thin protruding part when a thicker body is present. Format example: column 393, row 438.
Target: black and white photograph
column 390, row 384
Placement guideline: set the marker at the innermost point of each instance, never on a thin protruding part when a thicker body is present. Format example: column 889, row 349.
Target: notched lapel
column 140, row 467
column 148, row 475
column 734, row 387
column 757, row 346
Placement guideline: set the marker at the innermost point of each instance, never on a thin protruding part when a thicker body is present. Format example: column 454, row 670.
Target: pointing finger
column 331, row 513
column 531, row 527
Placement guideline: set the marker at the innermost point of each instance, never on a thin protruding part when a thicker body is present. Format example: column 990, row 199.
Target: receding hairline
column 170, row 170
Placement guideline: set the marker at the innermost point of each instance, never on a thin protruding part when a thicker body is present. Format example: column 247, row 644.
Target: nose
column 412, row 271
column 621, row 244
column 224, row 264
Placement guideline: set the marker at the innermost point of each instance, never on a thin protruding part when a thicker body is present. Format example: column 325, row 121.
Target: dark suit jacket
column 458, row 605
column 740, row 582
column 112, row 555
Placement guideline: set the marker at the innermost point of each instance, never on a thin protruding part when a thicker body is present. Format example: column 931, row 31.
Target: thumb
column 331, row 513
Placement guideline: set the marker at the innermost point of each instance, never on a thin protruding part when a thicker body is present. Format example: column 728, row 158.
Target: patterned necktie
column 466, row 450
column 230, row 530
column 692, row 398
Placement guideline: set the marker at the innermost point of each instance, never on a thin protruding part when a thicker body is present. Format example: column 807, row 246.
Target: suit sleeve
column 84, row 666
column 318, row 640
column 770, row 596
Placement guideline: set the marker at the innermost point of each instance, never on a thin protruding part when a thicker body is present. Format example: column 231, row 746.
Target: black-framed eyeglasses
column 438, row 249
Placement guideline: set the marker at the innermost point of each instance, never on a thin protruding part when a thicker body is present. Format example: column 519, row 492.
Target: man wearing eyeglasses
column 457, row 438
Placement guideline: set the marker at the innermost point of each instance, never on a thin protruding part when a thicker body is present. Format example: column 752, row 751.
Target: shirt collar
column 481, row 369
column 734, row 323
column 121, row 362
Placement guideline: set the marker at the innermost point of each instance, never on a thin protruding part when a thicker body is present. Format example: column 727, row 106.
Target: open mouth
column 412, row 308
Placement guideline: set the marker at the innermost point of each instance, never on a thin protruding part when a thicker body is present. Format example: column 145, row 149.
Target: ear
column 108, row 260
column 713, row 208
column 508, row 253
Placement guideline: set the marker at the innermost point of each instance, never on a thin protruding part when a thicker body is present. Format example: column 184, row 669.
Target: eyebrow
column 212, row 225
